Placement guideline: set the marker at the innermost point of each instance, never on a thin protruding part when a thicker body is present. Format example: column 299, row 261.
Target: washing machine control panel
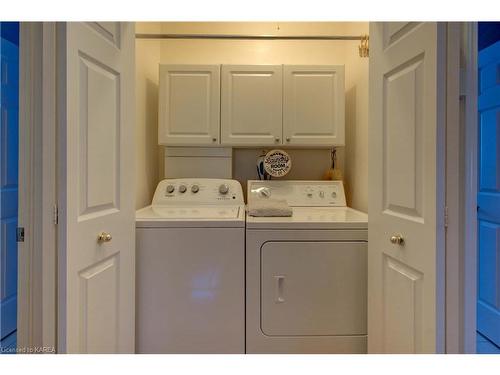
column 198, row 191
column 300, row 193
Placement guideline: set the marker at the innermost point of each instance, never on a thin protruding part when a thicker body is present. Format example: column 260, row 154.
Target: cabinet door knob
column 277, row 139
column 104, row 237
column 214, row 139
column 397, row 239
column 288, row 139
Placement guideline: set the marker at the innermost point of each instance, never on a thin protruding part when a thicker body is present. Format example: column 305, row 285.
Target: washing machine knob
column 182, row 189
column 170, row 189
column 195, row 188
column 223, row 189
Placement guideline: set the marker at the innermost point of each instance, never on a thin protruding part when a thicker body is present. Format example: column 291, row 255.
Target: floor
column 484, row 346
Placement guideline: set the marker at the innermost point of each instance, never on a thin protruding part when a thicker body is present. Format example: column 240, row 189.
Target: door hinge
column 55, row 214
column 20, row 234
column 446, row 217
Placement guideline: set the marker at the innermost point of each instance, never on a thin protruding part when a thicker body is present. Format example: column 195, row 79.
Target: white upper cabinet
column 251, row 105
column 189, row 105
column 313, row 105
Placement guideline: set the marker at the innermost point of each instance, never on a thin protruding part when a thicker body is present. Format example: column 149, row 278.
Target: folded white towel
column 269, row 207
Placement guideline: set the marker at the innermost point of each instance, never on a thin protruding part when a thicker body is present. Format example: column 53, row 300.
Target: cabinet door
column 251, row 105
column 313, row 106
column 189, row 105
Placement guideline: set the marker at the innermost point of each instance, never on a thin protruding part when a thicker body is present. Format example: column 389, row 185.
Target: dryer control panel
column 300, row 193
column 187, row 191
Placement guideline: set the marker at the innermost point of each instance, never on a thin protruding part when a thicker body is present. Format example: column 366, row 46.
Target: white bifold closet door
column 96, row 84
column 406, row 195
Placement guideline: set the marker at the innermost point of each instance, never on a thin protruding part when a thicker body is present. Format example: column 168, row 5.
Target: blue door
column 488, row 199
column 9, row 92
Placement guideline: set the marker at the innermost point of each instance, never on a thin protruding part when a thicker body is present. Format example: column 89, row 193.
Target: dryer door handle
column 279, row 288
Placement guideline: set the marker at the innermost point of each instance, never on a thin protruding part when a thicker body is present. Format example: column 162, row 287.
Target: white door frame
column 461, row 192
column 452, row 209
column 37, row 289
column 470, row 95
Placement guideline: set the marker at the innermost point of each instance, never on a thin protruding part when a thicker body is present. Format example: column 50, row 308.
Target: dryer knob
column 170, row 189
column 265, row 193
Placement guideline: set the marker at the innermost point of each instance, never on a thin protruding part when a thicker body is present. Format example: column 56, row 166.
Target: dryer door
column 313, row 288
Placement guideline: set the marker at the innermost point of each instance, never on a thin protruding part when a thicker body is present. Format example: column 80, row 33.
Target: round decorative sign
column 277, row 163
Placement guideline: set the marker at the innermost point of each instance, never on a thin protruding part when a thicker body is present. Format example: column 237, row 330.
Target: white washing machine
column 306, row 275
column 190, row 266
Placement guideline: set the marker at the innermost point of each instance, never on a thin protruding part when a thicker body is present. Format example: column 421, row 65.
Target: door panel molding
column 403, row 306
column 403, row 138
column 110, row 31
column 100, row 315
column 99, row 122
column 395, row 31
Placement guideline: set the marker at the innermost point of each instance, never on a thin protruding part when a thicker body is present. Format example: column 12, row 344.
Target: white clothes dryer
column 306, row 275
column 190, row 264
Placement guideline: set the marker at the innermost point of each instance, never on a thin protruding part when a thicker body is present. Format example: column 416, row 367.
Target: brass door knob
column 104, row 237
column 397, row 239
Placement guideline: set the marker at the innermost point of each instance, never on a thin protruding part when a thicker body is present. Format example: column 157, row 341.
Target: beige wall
column 259, row 28
column 307, row 164
column 356, row 101
column 203, row 51
column 147, row 149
